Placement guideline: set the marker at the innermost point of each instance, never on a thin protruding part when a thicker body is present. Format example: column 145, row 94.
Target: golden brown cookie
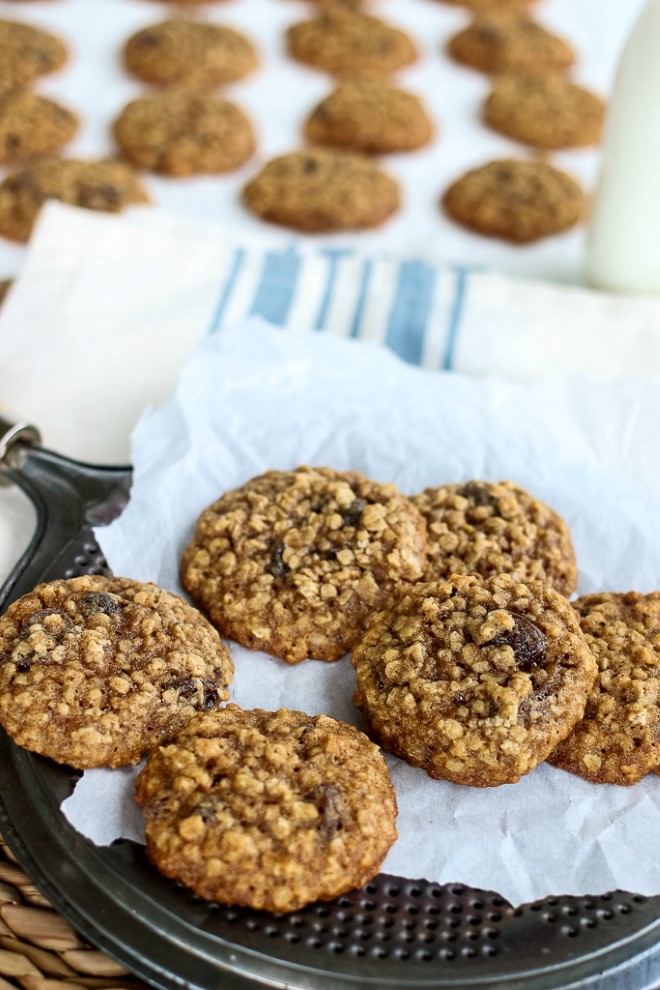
column 294, row 562
column 31, row 124
column 95, row 185
column 27, row 52
column 618, row 741
column 97, row 671
column 519, row 201
column 350, row 44
column 508, row 42
column 475, row 680
column 181, row 51
column 270, row 810
column 545, row 111
column 488, row 528
column 184, row 132
column 486, row 6
column 370, row 116
column 321, row 189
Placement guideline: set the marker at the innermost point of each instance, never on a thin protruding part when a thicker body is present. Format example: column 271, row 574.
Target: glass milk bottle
column 623, row 248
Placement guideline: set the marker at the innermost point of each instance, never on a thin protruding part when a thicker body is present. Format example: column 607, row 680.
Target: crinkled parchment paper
column 255, row 398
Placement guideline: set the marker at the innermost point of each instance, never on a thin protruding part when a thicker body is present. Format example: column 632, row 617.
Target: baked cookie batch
column 183, row 125
column 470, row 663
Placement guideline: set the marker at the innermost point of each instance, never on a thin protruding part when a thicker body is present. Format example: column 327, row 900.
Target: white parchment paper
column 255, row 398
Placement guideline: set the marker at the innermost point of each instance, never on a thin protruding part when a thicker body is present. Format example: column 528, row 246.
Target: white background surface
column 281, row 93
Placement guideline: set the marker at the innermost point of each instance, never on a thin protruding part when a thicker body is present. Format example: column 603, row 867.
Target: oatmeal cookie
column 370, row 116
column 270, row 810
column 184, row 132
column 27, row 52
column 492, row 5
column 475, row 680
column 181, row 51
column 294, row 562
column 350, row 44
column 488, row 528
column 322, row 190
column 31, row 124
column 96, row 671
column 507, row 42
column 95, row 185
column 618, row 741
column 545, row 111
column 519, row 201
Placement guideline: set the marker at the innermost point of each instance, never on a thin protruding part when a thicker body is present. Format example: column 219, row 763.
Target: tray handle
column 70, row 497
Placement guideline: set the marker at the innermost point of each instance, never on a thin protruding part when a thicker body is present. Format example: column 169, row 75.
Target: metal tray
column 393, row 933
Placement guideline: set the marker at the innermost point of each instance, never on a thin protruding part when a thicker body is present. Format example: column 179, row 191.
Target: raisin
column 352, row 515
column 278, row 566
column 526, row 640
column 97, row 601
column 327, row 799
column 479, row 495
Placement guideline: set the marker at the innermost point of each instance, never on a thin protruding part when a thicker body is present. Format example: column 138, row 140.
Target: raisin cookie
column 27, row 52
column 270, row 810
column 184, row 132
column 474, row 680
column 519, row 201
column 350, row 44
column 95, row 185
column 370, row 116
column 507, row 42
column 322, row 190
column 31, row 124
column 97, row 671
column 492, row 5
column 294, row 562
column 545, row 111
column 181, row 51
column 488, row 528
column 618, row 741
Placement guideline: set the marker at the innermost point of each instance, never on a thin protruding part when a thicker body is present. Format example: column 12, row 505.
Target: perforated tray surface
column 391, row 933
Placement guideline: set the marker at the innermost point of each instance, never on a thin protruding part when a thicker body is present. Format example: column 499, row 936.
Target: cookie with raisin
column 97, row 671
column 618, row 740
column 183, row 131
column 294, row 562
column 475, row 680
column 489, row 528
column 370, row 116
column 517, row 201
column 323, row 190
column 104, row 185
column 269, row 810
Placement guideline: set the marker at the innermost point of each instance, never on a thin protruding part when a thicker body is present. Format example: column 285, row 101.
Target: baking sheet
column 254, row 398
column 280, row 95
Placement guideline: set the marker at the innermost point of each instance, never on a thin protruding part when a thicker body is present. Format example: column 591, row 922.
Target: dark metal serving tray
column 393, row 933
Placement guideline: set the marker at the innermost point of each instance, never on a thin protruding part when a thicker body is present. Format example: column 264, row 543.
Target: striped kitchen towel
column 410, row 306
column 107, row 308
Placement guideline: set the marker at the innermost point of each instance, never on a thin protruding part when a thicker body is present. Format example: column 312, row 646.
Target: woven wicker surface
column 39, row 950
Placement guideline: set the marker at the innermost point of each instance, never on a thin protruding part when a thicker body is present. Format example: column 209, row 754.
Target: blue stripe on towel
column 332, row 255
column 275, row 291
column 365, row 278
column 410, row 310
column 227, row 289
column 455, row 319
